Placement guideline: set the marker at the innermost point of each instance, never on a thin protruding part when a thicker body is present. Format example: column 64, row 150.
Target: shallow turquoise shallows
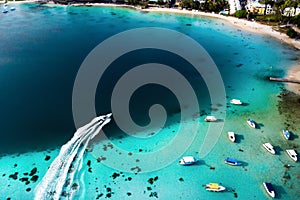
column 42, row 49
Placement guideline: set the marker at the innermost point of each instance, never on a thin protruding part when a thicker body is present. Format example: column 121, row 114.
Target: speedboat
column 188, row 160
column 214, row 187
column 286, row 134
column 292, row 153
column 231, row 161
column 12, row 8
column 4, row 10
column 210, row 119
column 251, row 123
column 231, row 136
column 269, row 147
column 269, row 188
column 236, row 101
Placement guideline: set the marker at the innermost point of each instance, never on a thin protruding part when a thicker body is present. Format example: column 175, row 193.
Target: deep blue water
column 43, row 47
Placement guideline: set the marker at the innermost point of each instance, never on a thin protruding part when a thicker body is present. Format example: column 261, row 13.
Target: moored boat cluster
column 190, row 160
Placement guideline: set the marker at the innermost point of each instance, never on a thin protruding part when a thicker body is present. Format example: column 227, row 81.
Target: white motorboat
column 269, row 188
column 188, row 160
column 210, row 119
column 236, row 101
column 269, row 148
column 214, row 187
column 292, row 153
column 251, row 123
column 231, row 136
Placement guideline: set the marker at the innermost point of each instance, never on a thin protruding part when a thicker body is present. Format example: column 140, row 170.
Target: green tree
column 297, row 21
column 187, row 3
column 240, row 14
column 291, row 33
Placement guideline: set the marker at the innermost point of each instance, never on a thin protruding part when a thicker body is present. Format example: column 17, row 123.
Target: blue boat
column 232, row 161
column 269, row 188
column 251, row 123
column 286, row 134
column 4, row 11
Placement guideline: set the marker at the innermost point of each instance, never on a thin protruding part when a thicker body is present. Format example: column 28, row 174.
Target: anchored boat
column 214, row 187
column 269, row 148
column 210, row 119
column 292, row 153
column 286, row 134
column 232, row 161
column 269, row 188
column 251, row 123
column 231, row 136
column 188, row 160
column 236, row 101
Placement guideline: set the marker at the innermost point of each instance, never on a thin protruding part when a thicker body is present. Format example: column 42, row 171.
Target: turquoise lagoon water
column 42, row 48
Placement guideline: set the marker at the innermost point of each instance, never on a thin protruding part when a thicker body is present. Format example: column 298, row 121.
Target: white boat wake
column 59, row 179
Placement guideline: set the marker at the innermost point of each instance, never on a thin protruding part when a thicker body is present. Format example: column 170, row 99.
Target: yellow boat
column 214, row 187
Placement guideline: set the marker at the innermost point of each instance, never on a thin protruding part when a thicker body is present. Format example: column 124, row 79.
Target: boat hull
column 219, row 188
column 231, row 161
column 269, row 189
column 231, row 136
column 251, row 123
column 269, row 148
column 188, row 160
column 292, row 154
column 210, row 119
column 236, row 102
column 286, row 134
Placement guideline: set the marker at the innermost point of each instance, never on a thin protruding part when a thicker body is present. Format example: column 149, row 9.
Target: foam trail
column 61, row 173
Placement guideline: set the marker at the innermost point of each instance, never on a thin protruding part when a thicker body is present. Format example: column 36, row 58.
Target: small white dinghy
column 292, row 153
column 231, row 136
column 236, row 102
column 210, row 119
column 269, row 148
column 269, row 188
column 188, row 160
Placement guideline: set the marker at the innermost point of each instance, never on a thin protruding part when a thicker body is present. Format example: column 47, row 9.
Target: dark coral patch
column 153, row 194
column 14, row 176
column 47, row 158
column 33, row 171
column 115, row 175
column 99, row 196
column 34, row 178
column 23, row 179
column 89, row 163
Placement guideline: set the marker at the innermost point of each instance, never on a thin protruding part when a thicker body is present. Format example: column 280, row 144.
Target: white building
column 234, row 5
column 255, row 7
column 291, row 11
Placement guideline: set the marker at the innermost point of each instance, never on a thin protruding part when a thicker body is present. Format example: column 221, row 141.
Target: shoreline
column 243, row 24
column 255, row 27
